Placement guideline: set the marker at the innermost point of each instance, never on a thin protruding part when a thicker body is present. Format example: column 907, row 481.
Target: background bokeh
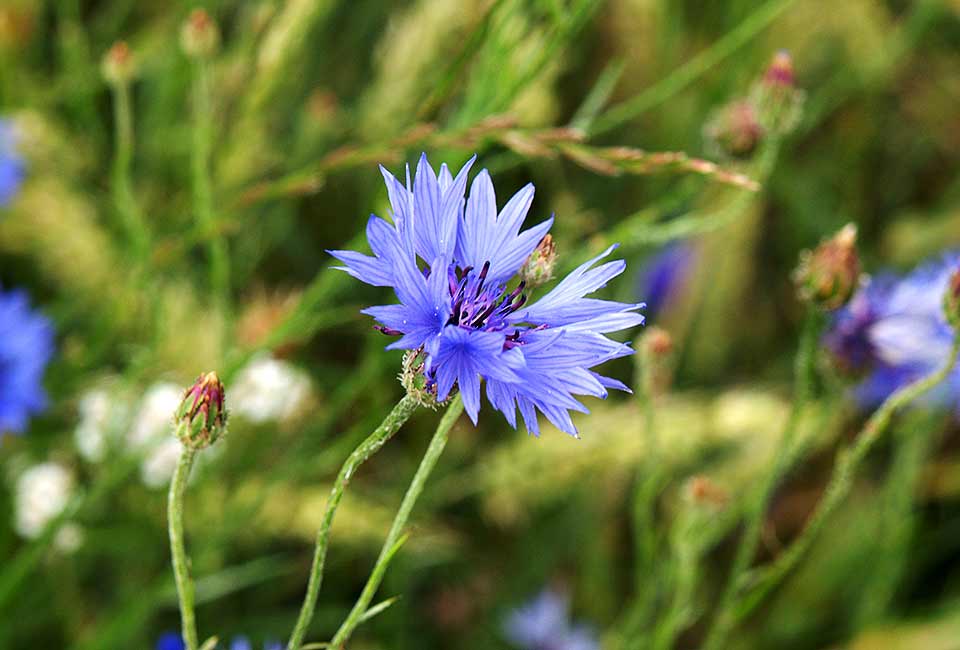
column 152, row 272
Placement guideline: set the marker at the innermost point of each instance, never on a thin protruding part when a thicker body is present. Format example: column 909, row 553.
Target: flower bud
column 735, row 130
column 199, row 36
column 656, row 357
column 118, row 66
column 828, row 276
column 704, row 492
column 414, row 379
column 779, row 102
column 538, row 269
column 951, row 300
column 201, row 418
column 780, row 70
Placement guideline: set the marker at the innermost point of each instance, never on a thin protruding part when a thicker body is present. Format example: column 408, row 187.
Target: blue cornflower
column 451, row 263
column 893, row 331
column 665, row 275
column 12, row 168
column 26, row 345
column 543, row 624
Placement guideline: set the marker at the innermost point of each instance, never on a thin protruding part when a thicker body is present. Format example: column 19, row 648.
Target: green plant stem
column 123, row 198
column 371, row 445
column 181, row 569
column 691, row 70
column 649, row 483
column 203, row 185
column 753, row 527
column 686, row 566
column 841, row 482
column 429, row 461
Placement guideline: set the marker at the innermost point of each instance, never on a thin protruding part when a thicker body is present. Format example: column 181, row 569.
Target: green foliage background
column 307, row 96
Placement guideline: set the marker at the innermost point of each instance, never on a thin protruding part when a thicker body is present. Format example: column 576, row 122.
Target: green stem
column 686, row 567
column 390, row 425
column 750, row 540
column 437, row 443
column 841, row 481
column 202, row 183
column 649, row 483
column 691, row 70
column 181, row 569
column 123, row 198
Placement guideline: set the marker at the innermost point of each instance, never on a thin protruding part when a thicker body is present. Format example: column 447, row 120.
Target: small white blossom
column 42, row 492
column 269, row 389
column 69, row 538
column 91, row 433
column 153, row 422
column 158, row 465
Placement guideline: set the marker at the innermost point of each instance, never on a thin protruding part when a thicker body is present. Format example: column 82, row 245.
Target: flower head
column 543, row 624
column 452, row 264
column 26, row 345
column 12, row 169
column 894, row 331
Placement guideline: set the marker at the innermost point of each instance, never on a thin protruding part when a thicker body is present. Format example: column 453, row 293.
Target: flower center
column 478, row 305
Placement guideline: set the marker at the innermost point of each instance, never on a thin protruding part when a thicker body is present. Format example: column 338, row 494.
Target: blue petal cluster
column 26, row 345
column 12, row 169
column 893, row 331
column 544, row 624
column 173, row 641
column 665, row 275
column 451, row 262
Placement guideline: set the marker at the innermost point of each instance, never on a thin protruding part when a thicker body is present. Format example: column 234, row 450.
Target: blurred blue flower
column 893, row 331
column 11, row 164
column 450, row 262
column 170, row 641
column 26, row 345
column 173, row 641
column 665, row 275
column 543, row 624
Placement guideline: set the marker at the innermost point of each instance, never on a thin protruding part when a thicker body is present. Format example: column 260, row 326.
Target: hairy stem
column 181, row 569
column 371, row 445
column 122, row 186
column 203, row 185
column 437, row 444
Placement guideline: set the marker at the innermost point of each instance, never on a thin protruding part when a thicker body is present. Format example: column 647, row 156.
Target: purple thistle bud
column 201, row 417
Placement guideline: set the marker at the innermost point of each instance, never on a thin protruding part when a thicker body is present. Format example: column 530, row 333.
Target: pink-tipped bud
column 201, row 417
column 829, row 275
column 780, row 70
column 118, row 66
column 199, row 36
